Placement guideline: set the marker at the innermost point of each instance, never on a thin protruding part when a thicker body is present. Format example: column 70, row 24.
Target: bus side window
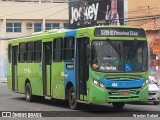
column 30, row 51
column 57, row 49
column 69, row 48
column 37, row 51
column 22, row 52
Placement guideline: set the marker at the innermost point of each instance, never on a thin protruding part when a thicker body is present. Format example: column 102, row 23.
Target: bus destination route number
column 119, row 32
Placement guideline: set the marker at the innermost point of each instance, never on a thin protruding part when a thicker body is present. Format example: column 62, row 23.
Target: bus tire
column 118, row 105
column 72, row 99
column 156, row 102
column 28, row 92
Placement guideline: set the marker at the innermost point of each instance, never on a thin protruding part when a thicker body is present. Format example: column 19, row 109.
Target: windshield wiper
column 114, row 46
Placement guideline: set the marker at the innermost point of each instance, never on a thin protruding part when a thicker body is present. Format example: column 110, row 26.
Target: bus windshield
column 119, row 56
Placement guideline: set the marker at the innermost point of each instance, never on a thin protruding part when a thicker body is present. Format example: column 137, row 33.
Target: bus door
column 14, row 68
column 69, row 47
column 82, row 67
column 46, row 68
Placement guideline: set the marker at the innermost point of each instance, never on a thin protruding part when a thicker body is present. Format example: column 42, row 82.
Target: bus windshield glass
column 119, row 56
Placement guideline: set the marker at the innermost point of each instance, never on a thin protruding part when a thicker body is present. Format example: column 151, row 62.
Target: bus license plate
column 124, row 92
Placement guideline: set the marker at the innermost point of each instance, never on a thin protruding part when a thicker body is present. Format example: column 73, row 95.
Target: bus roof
column 55, row 31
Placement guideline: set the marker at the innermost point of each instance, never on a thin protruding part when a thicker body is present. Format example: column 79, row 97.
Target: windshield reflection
column 119, row 56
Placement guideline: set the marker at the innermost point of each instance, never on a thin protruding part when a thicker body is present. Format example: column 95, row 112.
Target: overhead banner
column 84, row 13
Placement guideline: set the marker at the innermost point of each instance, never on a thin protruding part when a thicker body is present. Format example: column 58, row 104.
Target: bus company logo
column 124, row 84
column 27, row 70
column 114, row 85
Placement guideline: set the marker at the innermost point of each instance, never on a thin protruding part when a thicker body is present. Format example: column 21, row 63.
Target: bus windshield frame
column 119, row 55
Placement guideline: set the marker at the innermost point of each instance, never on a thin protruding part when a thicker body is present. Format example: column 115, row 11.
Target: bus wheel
column 118, row 105
column 72, row 99
column 28, row 92
column 156, row 102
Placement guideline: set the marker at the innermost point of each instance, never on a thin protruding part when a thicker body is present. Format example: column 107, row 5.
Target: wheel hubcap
column 27, row 93
column 72, row 98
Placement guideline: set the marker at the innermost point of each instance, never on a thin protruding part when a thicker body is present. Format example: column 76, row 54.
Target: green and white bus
column 99, row 64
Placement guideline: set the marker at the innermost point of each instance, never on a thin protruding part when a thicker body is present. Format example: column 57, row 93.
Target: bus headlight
column 145, row 82
column 99, row 84
column 95, row 82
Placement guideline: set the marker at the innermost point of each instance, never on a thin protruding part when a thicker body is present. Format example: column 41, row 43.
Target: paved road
column 10, row 101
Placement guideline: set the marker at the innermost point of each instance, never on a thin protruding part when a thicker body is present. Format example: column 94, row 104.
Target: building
column 145, row 14
column 19, row 18
column 153, row 34
column 141, row 11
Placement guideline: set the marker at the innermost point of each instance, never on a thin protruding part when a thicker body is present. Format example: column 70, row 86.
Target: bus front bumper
column 99, row 95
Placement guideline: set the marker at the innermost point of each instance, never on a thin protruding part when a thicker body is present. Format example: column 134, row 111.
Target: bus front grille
column 116, row 92
column 118, row 98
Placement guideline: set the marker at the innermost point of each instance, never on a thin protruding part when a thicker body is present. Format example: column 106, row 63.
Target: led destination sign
column 119, row 32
